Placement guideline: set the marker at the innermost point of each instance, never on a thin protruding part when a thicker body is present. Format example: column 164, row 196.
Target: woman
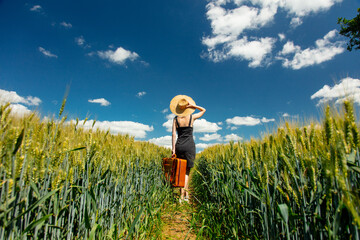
column 183, row 106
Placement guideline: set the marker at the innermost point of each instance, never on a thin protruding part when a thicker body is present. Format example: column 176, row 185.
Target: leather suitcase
column 175, row 170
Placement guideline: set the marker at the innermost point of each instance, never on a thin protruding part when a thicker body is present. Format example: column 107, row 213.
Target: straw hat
column 178, row 105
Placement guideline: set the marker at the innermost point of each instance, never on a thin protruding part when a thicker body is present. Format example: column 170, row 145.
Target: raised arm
column 199, row 114
column 173, row 137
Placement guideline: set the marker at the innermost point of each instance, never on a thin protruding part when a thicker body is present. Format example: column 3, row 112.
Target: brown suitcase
column 175, row 170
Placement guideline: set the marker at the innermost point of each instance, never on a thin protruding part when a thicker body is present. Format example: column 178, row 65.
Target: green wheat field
column 59, row 181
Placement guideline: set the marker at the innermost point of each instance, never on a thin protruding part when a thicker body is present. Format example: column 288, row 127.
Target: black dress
column 185, row 145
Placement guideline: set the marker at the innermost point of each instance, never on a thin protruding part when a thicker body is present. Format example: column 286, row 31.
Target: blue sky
column 250, row 63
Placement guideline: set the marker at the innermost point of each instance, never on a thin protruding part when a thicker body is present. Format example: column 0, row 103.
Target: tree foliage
column 351, row 29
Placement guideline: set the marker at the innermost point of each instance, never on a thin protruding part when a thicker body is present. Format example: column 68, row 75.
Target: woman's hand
column 190, row 105
column 173, row 154
column 201, row 109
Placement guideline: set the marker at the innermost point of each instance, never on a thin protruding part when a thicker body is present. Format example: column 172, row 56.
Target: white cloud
column 32, row 101
column 235, row 22
column 138, row 130
column 170, row 116
column 140, row 94
column 324, row 50
column 295, row 22
column 90, row 54
column 232, row 137
column 102, row 101
column 164, row 141
column 347, row 88
column 200, row 125
column 36, row 8
column 169, row 122
column 19, row 110
column 286, row 115
column 203, row 145
column 47, row 53
column 302, row 8
column 165, row 110
column 13, row 97
column 16, row 102
column 211, row 137
column 228, row 25
column 247, row 121
column 66, row 25
column 119, row 56
column 252, row 51
column 80, row 41
column 281, row 36
column 289, row 47
column 266, row 120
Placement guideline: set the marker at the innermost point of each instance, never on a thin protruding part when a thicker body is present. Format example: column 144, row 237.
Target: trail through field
column 176, row 219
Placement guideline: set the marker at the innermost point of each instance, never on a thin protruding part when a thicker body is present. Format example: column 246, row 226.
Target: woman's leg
column 184, row 190
column 184, row 193
column 186, row 187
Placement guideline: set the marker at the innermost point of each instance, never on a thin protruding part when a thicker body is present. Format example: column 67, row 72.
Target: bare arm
column 173, row 137
column 199, row 114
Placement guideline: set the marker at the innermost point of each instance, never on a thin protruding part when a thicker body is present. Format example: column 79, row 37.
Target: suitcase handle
column 173, row 156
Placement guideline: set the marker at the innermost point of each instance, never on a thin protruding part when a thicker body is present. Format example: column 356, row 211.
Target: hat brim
column 174, row 108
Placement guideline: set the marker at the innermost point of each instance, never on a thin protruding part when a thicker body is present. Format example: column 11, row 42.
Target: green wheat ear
column 64, row 100
column 62, row 107
column 328, row 125
column 349, row 119
column 351, row 130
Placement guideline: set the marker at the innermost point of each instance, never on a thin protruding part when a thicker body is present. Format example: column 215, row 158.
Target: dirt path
column 177, row 218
